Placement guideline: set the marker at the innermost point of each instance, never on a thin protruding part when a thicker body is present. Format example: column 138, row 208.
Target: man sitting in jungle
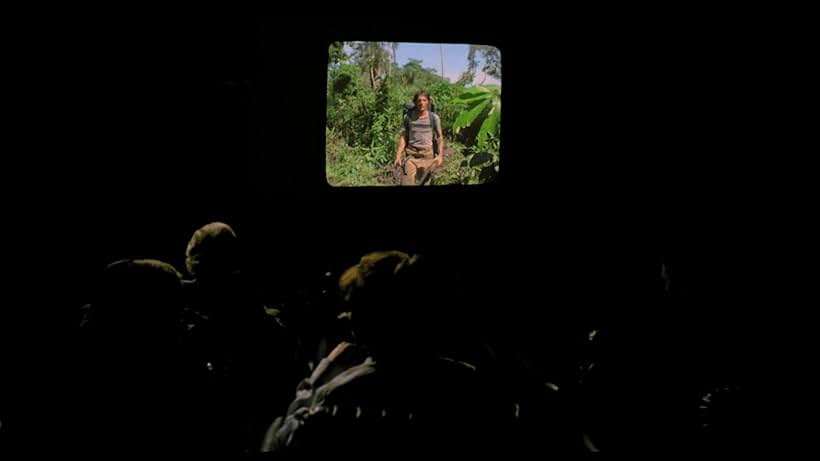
column 417, row 142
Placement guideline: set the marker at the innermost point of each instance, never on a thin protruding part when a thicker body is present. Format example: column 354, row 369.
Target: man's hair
column 420, row 93
column 386, row 294
column 212, row 250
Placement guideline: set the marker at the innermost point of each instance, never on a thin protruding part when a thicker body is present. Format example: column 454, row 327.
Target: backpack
column 408, row 111
column 351, row 403
column 312, row 416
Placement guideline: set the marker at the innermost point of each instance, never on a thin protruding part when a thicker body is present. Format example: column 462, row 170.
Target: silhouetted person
column 391, row 391
column 131, row 370
column 247, row 354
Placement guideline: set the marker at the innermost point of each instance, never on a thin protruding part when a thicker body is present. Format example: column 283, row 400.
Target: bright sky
column 455, row 59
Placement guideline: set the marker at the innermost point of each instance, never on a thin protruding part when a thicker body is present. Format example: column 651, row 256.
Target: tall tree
column 492, row 61
column 412, row 71
column 394, row 46
column 336, row 55
column 373, row 58
column 491, row 58
column 441, row 52
column 472, row 64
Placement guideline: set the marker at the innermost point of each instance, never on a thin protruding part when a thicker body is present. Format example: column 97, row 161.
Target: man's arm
column 440, row 158
column 402, row 145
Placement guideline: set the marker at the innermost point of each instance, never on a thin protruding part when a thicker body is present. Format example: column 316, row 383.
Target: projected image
column 412, row 114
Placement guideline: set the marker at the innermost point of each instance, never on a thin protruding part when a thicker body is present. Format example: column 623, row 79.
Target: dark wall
column 624, row 146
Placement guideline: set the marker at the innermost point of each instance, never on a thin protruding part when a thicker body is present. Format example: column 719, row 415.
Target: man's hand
column 439, row 161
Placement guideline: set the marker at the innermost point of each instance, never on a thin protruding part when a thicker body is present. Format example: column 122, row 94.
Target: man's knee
column 407, row 180
column 410, row 171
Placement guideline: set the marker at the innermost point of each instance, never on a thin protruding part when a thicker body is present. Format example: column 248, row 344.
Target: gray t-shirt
column 421, row 133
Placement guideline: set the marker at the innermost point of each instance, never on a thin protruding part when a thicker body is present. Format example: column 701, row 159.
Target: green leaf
column 473, row 90
column 467, row 117
column 480, row 158
column 474, row 103
column 472, row 98
column 490, row 124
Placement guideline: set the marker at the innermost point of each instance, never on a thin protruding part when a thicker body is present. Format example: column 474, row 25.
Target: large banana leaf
column 471, row 99
column 467, row 117
column 474, row 90
column 490, row 124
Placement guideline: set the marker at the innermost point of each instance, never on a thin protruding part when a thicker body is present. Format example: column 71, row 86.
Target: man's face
column 422, row 102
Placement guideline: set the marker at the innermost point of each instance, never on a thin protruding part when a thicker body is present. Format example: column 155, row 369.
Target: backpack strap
column 433, row 119
column 408, row 111
column 406, row 129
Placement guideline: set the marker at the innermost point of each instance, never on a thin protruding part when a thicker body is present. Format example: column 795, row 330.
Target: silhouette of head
column 212, row 251
column 137, row 300
column 385, row 291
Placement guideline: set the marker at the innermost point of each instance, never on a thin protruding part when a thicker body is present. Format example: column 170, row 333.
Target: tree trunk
column 441, row 51
column 391, row 53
